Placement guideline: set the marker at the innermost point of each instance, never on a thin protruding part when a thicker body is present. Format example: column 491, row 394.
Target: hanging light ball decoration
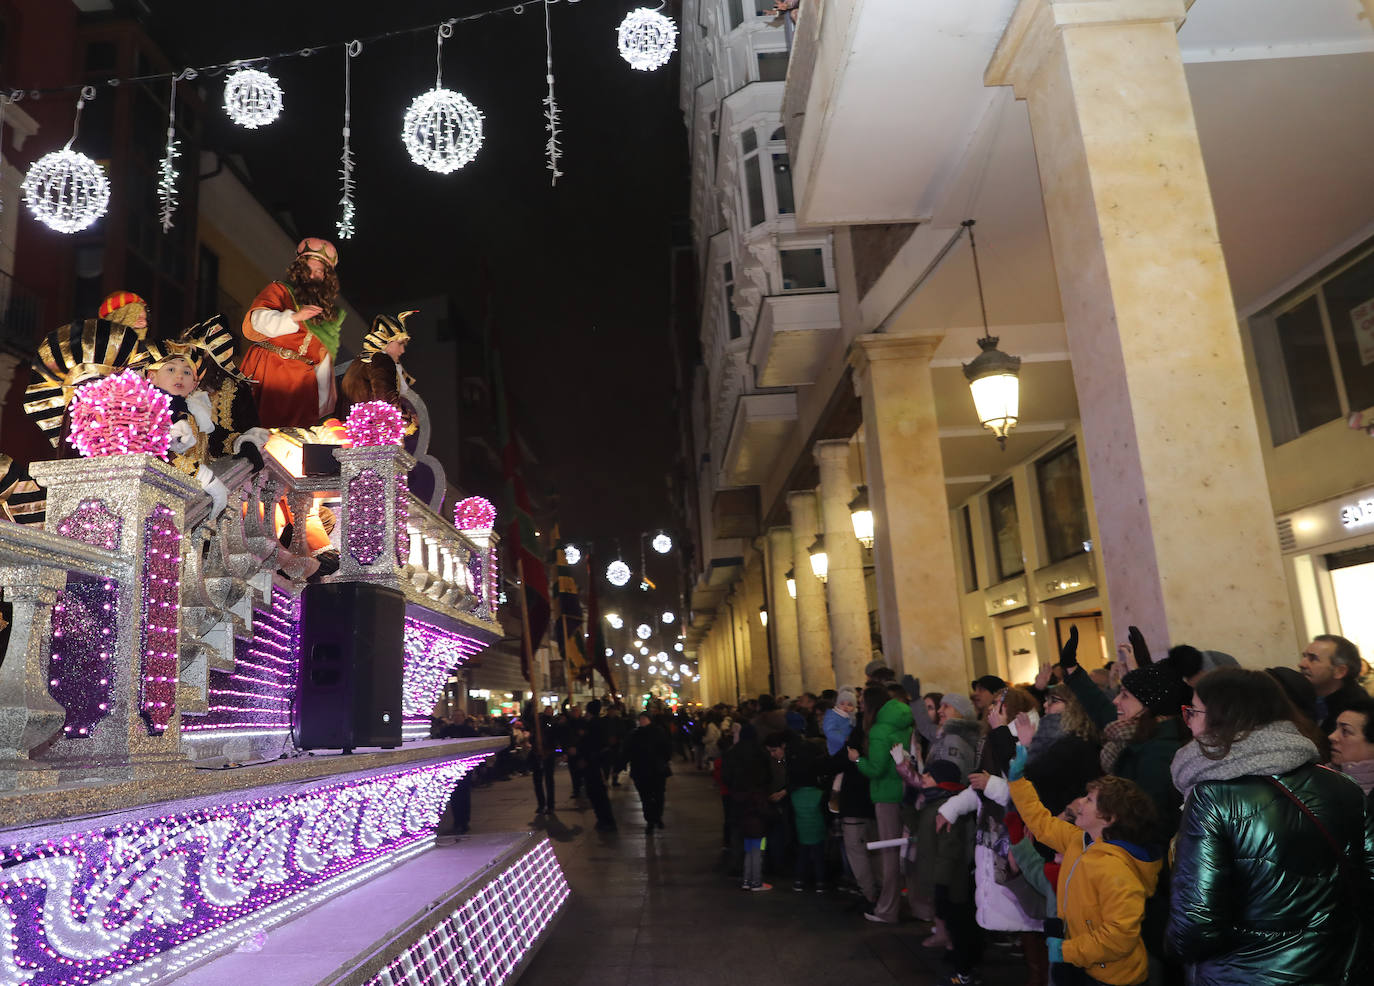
column 120, row 414
column 662, row 543
column 571, row 554
column 252, row 98
column 375, row 423
column 644, row 631
column 66, row 191
column 476, row 513
column 668, row 616
column 647, row 39
column 617, row 573
column 615, row 621
column 442, row 130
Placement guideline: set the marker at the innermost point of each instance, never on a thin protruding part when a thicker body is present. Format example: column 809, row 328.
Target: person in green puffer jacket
column 887, row 721
column 1264, row 893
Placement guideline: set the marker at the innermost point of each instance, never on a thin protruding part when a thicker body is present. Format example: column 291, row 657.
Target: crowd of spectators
column 1156, row 821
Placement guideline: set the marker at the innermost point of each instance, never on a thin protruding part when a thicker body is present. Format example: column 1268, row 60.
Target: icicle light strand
column 345, row 223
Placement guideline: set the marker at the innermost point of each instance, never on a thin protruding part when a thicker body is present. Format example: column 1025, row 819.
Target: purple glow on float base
column 431, row 652
column 366, row 517
column 119, row 414
column 257, row 694
column 486, row 939
column 402, row 519
column 159, row 649
column 82, row 906
column 93, row 523
column 474, row 514
column 79, row 667
column 375, row 423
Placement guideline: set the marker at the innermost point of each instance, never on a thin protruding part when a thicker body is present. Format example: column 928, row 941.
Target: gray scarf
column 1272, row 749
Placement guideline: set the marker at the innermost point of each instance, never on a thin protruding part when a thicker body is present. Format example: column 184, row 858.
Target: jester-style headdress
column 386, row 328
column 70, row 356
column 210, row 340
column 124, row 308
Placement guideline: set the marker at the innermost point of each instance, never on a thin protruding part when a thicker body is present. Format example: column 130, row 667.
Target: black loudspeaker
column 351, row 664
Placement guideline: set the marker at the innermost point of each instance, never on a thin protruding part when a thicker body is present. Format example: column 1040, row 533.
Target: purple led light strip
column 79, row 908
column 79, row 666
column 484, row 940
column 257, row 694
column 159, row 634
column 431, row 652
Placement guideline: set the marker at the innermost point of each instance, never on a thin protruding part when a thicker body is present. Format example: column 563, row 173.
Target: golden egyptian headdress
column 210, row 339
column 385, row 328
column 70, row 356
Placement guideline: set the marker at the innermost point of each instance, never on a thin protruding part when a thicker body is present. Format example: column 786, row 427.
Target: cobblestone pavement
column 662, row 910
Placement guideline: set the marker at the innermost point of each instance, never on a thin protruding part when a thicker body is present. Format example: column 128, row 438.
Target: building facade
column 1172, row 235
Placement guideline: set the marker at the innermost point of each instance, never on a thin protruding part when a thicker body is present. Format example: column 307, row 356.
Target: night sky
column 578, row 275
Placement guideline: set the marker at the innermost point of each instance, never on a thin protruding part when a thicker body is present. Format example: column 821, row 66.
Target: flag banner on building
column 521, row 542
column 596, row 639
column 568, row 620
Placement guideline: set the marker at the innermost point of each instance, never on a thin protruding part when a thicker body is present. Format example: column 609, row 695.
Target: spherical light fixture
column 617, row 573
column 610, row 651
column 66, row 191
column 252, row 98
column 628, row 659
column 442, row 130
column 646, row 39
column 792, row 582
column 662, row 543
column 644, row 631
column 615, row 621
column 661, row 657
column 820, row 561
column 475, row 513
column 678, row 647
column 861, row 516
column 668, row 616
column 571, row 554
column 643, row 650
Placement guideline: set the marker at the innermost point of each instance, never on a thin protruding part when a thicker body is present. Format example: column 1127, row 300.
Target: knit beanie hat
column 1157, row 688
column 959, row 703
column 944, row 772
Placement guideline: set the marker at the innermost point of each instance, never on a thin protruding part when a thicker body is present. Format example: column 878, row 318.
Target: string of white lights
column 345, row 223
column 167, row 170
column 552, row 148
column 66, row 190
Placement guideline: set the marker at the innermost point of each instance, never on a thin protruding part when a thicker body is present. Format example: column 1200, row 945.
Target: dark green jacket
column 892, row 725
column 1256, row 896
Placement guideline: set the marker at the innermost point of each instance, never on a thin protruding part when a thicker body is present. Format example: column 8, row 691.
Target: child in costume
column 377, row 375
column 199, row 434
column 293, row 326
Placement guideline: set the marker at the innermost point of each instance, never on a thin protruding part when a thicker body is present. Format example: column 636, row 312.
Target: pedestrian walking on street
column 648, row 751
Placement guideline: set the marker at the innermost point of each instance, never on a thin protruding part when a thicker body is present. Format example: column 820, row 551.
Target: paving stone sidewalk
column 661, row 909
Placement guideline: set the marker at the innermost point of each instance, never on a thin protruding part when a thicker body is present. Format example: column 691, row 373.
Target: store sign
column 1358, row 514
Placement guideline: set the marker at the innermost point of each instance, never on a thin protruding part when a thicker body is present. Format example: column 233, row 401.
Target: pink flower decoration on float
column 120, row 414
column 375, row 423
column 474, row 514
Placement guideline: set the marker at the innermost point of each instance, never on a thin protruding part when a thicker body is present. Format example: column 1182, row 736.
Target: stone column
column 760, row 659
column 29, row 716
column 782, row 613
column 813, row 621
column 850, row 640
column 368, row 515
column 135, row 507
column 1188, row 542
column 913, row 553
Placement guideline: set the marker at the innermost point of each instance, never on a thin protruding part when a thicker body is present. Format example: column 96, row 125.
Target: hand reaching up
column 1025, row 729
column 1142, row 650
column 1068, row 654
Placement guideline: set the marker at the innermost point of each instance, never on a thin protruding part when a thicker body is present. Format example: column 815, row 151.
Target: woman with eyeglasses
column 1275, row 853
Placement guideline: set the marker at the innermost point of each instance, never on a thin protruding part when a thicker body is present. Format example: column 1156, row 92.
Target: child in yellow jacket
column 1107, row 875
